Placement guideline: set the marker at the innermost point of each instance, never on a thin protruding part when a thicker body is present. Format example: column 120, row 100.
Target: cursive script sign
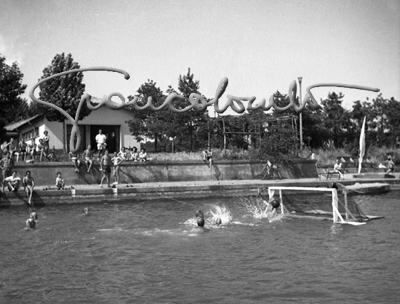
column 197, row 102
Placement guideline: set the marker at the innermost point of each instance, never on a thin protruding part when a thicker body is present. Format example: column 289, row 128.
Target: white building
column 113, row 124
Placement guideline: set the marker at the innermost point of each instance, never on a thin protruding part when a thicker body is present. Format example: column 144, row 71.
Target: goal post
column 316, row 202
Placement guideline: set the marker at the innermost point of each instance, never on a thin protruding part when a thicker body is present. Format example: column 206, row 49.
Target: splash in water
column 260, row 209
column 222, row 213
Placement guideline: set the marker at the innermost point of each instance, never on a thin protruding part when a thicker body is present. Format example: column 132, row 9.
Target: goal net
column 324, row 203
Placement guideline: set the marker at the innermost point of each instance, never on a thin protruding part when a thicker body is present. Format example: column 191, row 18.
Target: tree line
column 331, row 126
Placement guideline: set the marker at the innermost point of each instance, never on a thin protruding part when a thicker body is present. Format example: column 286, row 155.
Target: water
column 150, row 253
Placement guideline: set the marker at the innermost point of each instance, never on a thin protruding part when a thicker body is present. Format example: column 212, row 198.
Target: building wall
column 138, row 172
column 106, row 116
column 54, row 128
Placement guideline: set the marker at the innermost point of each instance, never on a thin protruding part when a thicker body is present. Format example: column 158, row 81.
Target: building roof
column 16, row 125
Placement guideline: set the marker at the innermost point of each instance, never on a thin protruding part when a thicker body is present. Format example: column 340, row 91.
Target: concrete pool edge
column 160, row 190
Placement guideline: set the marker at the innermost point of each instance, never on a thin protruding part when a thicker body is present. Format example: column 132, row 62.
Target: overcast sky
column 260, row 45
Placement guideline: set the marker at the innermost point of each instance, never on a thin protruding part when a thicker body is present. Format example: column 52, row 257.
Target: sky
column 261, row 46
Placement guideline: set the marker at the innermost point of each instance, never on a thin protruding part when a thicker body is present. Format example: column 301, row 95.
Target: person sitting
column 22, row 151
column 60, row 183
column 338, row 168
column 122, row 154
column 88, row 157
column 389, row 165
column 28, row 183
column 134, row 154
column 13, row 181
column 142, row 155
column 207, row 156
column 74, row 157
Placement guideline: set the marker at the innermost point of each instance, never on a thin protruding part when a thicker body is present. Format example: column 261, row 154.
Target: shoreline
column 159, row 190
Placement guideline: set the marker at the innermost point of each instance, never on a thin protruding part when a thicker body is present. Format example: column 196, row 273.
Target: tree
column 190, row 120
column 65, row 91
column 148, row 123
column 392, row 110
column 336, row 118
column 12, row 106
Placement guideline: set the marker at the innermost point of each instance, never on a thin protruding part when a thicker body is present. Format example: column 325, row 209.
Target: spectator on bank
column 338, row 168
column 74, row 157
column 389, row 165
column 12, row 148
column 28, row 183
column 22, row 150
column 117, row 160
column 30, row 153
column 142, row 155
column 60, row 182
column 122, row 154
column 88, row 157
column 13, row 181
column 6, row 165
column 105, row 168
column 4, row 148
column 134, row 154
column 101, row 142
column 207, row 156
column 46, row 143
column 39, row 149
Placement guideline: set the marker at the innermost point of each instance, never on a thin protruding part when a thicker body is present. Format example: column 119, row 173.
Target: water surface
column 149, row 252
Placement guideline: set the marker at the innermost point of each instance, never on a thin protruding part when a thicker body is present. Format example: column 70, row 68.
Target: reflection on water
column 152, row 252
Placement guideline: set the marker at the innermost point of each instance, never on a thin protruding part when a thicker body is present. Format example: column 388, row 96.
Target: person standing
column 28, row 183
column 117, row 160
column 46, row 143
column 101, row 142
column 207, row 156
column 6, row 164
column 105, row 167
column 12, row 148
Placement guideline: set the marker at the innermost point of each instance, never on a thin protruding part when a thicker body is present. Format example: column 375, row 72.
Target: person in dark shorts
column 6, row 164
column 207, row 156
column 105, row 167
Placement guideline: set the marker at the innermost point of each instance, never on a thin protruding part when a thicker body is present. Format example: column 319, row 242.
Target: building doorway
column 112, row 134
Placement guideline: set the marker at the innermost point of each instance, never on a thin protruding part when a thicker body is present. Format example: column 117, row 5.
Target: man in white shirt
column 101, row 142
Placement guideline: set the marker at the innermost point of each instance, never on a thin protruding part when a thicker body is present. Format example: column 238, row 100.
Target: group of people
column 27, row 152
column 390, row 166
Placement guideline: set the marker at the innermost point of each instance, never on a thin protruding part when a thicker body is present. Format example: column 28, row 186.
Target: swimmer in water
column 86, row 211
column 200, row 225
column 31, row 221
column 272, row 207
column 218, row 221
column 199, row 214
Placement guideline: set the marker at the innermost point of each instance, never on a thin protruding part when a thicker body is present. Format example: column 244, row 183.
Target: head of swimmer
column 218, row 221
column 199, row 214
column 86, row 210
column 200, row 222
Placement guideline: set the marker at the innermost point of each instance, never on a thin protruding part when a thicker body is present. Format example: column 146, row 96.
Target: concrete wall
column 135, row 172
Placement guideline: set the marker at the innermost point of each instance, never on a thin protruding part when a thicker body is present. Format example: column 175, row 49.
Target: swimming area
column 151, row 252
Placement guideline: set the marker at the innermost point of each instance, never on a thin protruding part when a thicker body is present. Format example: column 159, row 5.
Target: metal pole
column 301, row 116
